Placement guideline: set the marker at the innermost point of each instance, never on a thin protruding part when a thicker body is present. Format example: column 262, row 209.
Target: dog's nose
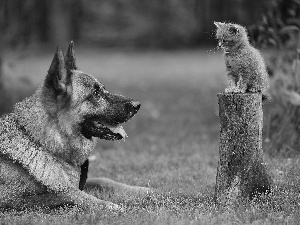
column 132, row 107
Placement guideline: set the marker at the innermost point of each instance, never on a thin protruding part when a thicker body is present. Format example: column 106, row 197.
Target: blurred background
column 117, row 23
column 161, row 52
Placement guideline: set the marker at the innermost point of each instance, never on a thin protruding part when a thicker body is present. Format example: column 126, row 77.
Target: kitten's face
column 230, row 35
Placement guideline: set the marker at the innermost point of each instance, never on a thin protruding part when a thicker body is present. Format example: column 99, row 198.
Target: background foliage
column 139, row 23
column 279, row 30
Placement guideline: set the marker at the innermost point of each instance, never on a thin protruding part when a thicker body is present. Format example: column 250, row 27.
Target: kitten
column 245, row 65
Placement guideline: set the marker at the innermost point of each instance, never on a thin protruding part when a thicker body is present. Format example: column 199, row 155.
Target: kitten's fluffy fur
column 245, row 65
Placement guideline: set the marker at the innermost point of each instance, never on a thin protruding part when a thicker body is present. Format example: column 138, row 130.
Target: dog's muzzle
column 108, row 126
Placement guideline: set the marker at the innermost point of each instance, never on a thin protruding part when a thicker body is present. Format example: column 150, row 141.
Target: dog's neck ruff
column 56, row 174
column 50, row 130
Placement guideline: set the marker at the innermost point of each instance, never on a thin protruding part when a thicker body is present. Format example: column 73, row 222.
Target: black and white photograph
column 149, row 112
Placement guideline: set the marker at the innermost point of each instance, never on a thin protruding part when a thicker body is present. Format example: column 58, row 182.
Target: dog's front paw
column 114, row 207
column 111, row 207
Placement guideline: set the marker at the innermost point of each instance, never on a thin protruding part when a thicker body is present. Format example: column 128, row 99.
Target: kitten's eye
column 233, row 30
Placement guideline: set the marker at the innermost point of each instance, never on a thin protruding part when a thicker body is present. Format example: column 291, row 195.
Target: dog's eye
column 97, row 92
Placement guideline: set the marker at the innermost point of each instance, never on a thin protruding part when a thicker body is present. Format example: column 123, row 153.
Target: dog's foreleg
column 70, row 197
column 83, row 174
column 87, row 201
column 120, row 189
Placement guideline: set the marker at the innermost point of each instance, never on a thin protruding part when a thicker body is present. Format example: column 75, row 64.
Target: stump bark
column 241, row 170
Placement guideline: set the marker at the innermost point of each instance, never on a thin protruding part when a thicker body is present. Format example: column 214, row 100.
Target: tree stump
column 241, row 170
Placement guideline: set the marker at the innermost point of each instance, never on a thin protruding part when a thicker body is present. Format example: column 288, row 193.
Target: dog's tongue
column 118, row 130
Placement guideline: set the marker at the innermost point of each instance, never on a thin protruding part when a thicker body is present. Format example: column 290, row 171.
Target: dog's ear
column 70, row 58
column 57, row 77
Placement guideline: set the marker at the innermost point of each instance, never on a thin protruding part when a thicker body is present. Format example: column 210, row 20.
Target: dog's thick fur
column 45, row 142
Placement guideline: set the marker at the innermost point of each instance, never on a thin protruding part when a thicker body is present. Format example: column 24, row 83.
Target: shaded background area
column 137, row 23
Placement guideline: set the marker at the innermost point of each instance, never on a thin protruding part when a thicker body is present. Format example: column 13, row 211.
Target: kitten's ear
column 233, row 30
column 218, row 24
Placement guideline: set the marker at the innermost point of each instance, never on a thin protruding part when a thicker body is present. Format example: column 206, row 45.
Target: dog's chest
column 72, row 172
column 46, row 168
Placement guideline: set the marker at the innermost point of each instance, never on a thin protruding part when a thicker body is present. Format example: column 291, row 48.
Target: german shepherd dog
column 46, row 141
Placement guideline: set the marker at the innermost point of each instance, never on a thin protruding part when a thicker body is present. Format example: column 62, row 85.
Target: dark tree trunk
column 241, row 170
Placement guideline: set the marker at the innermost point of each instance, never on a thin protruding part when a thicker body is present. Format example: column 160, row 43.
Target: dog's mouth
column 95, row 128
column 108, row 127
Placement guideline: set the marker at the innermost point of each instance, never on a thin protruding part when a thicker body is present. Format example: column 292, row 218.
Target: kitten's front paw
column 233, row 90
column 237, row 90
column 228, row 90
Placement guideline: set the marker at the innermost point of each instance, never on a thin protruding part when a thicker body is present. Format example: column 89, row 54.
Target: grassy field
column 172, row 144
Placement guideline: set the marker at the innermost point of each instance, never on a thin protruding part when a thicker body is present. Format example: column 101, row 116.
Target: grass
column 172, row 144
